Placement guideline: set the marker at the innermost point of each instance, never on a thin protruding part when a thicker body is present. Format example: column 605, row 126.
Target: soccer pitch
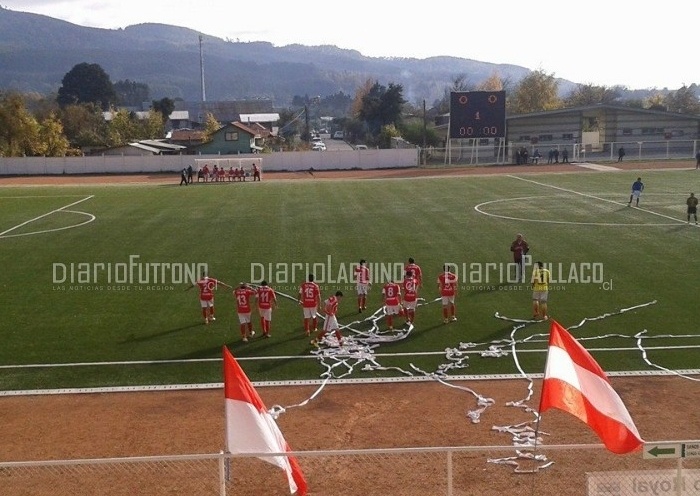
column 94, row 290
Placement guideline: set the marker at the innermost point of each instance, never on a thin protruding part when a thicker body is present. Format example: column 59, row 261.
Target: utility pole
column 201, row 67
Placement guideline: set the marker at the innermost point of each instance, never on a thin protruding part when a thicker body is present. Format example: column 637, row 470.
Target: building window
column 627, row 131
column 231, row 136
column 652, row 130
column 524, row 138
column 545, row 137
column 567, row 136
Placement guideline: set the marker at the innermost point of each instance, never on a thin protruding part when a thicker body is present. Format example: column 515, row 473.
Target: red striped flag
column 251, row 429
column 575, row 383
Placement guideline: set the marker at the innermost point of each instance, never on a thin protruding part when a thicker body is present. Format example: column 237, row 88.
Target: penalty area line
column 45, row 215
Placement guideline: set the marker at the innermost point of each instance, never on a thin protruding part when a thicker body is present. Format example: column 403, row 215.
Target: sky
column 635, row 44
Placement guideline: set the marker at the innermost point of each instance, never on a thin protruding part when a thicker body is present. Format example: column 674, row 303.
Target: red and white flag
column 575, row 383
column 251, row 429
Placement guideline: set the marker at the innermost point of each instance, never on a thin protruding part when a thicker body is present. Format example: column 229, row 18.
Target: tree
column 683, row 100
column 590, row 94
column 536, row 92
column 211, row 125
column 87, row 83
column 84, row 125
column 131, row 93
column 19, row 130
column 382, row 106
column 52, row 140
column 460, row 83
column 165, row 106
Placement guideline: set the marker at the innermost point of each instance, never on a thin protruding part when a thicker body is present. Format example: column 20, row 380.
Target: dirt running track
column 423, row 414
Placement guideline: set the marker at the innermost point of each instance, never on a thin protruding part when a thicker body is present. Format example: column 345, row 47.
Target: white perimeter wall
column 279, row 161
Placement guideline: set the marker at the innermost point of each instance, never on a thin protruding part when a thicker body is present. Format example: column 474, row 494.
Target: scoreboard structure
column 477, row 114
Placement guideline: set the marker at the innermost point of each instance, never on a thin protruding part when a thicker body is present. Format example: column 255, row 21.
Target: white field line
column 586, row 195
column 46, row 215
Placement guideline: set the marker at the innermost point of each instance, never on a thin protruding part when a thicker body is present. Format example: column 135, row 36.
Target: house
column 186, row 137
column 224, row 111
column 232, row 139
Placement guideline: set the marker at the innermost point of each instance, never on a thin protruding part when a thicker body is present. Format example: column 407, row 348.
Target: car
column 360, row 147
column 319, row 147
column 339, row 135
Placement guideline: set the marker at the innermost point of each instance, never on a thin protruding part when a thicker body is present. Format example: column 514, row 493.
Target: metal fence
column 471, row 152
column 455, row 471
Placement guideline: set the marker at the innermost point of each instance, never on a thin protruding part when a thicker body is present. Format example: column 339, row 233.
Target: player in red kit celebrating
column 416, row 270
column 207, row 285
column 330, row 308
column 410, row 295
column 392, row 302
column 267, row 300
column 310, row 299
column 242, row 294
column 447, row 283
column 362, row 280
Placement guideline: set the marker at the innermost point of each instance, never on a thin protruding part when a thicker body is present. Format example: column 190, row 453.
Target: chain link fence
column 575, row 470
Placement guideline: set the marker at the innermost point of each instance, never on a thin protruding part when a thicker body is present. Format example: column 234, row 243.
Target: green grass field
column 141, row 333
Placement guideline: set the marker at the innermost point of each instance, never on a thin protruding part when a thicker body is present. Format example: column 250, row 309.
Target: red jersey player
column 392, row 302
column 242, row 294
column 330, row 307
column 410, row 295
column 267, row 299
column 362, row 280
column 207, row 285
column 309, row 299
column 416, row 270
column 447, row 283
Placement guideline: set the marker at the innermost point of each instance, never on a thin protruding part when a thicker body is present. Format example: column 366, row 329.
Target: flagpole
column 539, row 414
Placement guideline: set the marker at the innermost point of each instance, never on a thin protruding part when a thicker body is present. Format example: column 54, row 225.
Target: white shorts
column 447, row 300
column 409, row 305
column 309, row 313
column 207, row 303
column 244, row 318
column 539, row 296
column 265, row 313
column 331, row 323
column 636, row 193
column 362, row 288
column 392, row 309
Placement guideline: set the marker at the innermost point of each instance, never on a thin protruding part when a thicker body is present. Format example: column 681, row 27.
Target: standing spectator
column 190, row 173
column 207, row 285
column 556, row 155
column 242, row 294
column 392, row 302
column 692, row 204
column 637, row 188
column 519, row 247
column 415, row 268
column 550, row 156
column 447, row 284
column 697, row 160
column 310, row 299
column 565, row 156
column 540, row 291
column 536, row 156
column 330, row 308
column 362, row 284
column 410, row 295
column 267, row 300
column 256, row 172
column 620, row 154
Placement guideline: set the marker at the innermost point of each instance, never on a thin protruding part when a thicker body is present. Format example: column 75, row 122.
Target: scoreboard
column 477, row 114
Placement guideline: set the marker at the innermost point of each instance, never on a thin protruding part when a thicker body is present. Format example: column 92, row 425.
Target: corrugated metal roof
column 251, row 118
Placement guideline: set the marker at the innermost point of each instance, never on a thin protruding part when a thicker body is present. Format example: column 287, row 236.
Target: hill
column 36, row 51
